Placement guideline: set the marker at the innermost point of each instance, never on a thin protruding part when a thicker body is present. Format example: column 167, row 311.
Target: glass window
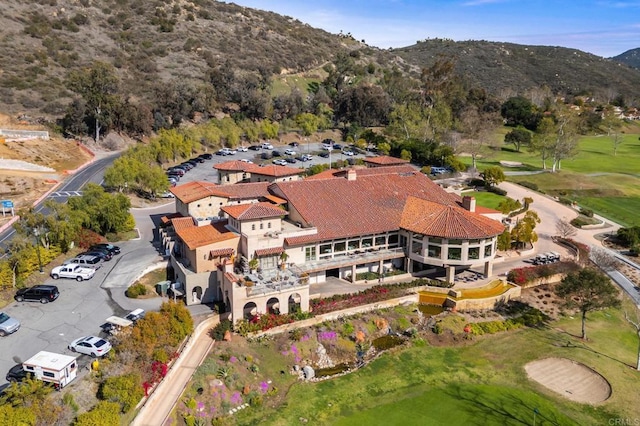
column 261, row 225
column 381, row 241
column 435, row 240
column 48, row 374
column 269, row 225
column 354, row 244
column 435, row 251
column 393, row 239
column 416, row 247
column 253, row 227
column 487, row 250
column 455, row 242
column 325, row 248
column 338, row 247
column 454, row 253
column 474, row 252
column 310, row 253
column 367, row 242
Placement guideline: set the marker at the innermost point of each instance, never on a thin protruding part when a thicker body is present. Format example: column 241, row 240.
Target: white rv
column 51, row 367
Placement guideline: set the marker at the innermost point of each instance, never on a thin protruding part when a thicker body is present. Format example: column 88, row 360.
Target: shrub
column 565, row 201
column 136, row 290
column 497, row 190
column 103, row 413
column 530, row 185
column 579, row 222
column 527, row 274
column 586, row 212
column 125, row 390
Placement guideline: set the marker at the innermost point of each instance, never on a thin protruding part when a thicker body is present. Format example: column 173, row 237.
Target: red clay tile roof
column 370, row 204
column 363, row 171
column 429, row 218
column 385, row 160
column 182, row 223
column 273, row 170
column 269, row 251
column 198, row 236
column 275, row 200
column 254, row 211
column 232, row 166
column 486, row 210
column 230, row 277
column 221, row 252
column 167, row 219
column 194, row 191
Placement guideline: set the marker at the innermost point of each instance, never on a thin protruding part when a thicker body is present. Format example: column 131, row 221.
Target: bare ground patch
column 570, row 379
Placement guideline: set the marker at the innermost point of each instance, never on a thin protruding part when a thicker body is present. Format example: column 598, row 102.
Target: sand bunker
column 570, row 379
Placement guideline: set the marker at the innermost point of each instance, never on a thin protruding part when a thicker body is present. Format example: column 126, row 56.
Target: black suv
column 38, row 293
column 17, row 374
column 110, row 248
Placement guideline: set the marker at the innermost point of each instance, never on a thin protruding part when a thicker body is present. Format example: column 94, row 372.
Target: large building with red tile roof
column 232, row 172
column 341, row 224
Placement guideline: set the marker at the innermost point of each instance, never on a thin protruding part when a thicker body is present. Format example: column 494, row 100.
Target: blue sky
column 604, row 28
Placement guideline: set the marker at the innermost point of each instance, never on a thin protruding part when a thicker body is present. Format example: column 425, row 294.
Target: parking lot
column 82, row 307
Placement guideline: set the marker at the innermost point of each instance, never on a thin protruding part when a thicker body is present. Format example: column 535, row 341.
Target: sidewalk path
column 158, row 407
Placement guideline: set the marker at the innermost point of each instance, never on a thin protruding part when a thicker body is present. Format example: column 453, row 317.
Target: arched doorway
column 196, row 294
column 294, row 303
column 250, row 311
column 273, row 306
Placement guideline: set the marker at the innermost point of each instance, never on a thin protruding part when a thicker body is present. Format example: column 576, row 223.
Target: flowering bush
column 528, row 274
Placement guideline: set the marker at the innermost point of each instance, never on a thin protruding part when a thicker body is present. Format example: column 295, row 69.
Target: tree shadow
column 581, row 345
column 503, row 408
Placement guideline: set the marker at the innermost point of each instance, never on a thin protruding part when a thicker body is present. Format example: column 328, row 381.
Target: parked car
column 290, row 160
column 347, row 153
column 266, row 156
column 17, row 374
column 8, row 325
column 301, row 158
column 243, row 149
column 110, row 247
column 91, row 345
column 187, row 166
column 327, row 147
column 176, row 171
column 294, row 144
column 255, row 147
column 136, row 315
column 290, row 151
column 73, row 271
column 280, row 162
column 324, row 154
column 84, row 260
column 206, row 156
column 101, row 254
column 337, row 146
column 167, row 194
column 37, row 293
column 266, row 145
column 276, row 153
column 244, row 160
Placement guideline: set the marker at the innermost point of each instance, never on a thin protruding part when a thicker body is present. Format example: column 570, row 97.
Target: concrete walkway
column 157, row 407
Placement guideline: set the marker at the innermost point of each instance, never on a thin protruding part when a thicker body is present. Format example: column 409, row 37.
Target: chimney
column 469, row 203
column 351, row 174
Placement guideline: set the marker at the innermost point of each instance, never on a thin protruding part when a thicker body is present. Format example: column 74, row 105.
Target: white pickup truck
column 73, row 270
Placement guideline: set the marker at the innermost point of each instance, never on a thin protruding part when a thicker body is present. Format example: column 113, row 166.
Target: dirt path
column 570, row 379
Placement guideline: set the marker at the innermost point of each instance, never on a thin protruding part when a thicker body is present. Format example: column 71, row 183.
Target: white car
column 91, row 345
column 348, row 153
column 289, row 152
column 244, row 160
column 327, row 147
column 266, row 145
column 280, row 162
column 243, row 149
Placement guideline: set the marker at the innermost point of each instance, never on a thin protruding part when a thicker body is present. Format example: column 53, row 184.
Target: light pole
column 36, row 232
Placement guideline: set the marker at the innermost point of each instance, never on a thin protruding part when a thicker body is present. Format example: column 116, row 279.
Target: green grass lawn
column 486, row 199
column 595, row 178
column 481, row 383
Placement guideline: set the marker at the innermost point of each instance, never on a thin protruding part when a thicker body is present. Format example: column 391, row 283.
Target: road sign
column 7, row 204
